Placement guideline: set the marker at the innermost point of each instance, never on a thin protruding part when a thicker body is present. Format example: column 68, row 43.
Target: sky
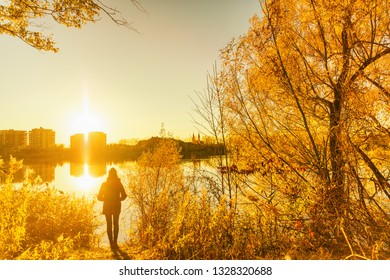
column 111, row 79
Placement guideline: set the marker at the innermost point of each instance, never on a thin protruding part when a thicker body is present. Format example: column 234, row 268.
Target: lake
column 82, row 179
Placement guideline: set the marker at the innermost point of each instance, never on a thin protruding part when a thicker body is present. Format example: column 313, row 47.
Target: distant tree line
column 187, row 149
column 112, row 152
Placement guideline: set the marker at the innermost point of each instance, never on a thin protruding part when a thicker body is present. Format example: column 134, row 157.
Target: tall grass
column 39, row 222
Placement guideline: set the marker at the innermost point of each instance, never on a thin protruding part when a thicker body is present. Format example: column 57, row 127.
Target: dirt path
column 124, row 252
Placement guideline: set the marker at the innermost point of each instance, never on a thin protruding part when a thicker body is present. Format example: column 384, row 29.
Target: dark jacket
column 112, row 193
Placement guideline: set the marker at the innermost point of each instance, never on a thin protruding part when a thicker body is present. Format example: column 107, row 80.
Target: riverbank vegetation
column 40, row 222
column 227, row 214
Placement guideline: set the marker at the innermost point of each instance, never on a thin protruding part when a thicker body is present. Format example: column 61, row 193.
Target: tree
column 211, row 112
column 23, row 18
column 306, row 94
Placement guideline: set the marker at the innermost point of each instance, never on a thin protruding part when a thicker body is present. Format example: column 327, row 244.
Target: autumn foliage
column 39, row 222
column 27, row 20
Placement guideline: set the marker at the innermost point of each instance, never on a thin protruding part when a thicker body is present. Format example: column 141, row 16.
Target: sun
column 86, row 121
column 86, row 117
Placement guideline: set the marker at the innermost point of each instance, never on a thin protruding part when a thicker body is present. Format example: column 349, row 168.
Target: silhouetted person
column 112, row 193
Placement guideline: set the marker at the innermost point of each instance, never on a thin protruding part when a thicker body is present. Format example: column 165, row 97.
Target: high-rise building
column 88, row 146
column 97, row 141
column 78, row 142
column 91, row 141
column 13, row 138
column 42, row 139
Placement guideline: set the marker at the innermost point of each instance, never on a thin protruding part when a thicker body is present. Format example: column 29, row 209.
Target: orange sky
column 114, row 80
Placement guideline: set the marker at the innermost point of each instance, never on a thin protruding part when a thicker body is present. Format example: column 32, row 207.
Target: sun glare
column 86, row 121
column 85, row 124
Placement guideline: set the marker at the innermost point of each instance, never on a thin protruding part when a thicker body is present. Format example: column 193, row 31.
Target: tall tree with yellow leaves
column 307, row 94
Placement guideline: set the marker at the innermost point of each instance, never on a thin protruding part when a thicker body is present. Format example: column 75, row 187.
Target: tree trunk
column 334, row 191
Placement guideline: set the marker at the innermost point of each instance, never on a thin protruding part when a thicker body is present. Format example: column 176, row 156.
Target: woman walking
column 112, row 193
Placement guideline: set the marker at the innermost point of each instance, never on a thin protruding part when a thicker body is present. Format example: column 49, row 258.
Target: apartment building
column 42, row 139
column 15, row 139
column 93, row 141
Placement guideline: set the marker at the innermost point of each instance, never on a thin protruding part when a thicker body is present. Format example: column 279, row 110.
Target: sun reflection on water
column 87, row 183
